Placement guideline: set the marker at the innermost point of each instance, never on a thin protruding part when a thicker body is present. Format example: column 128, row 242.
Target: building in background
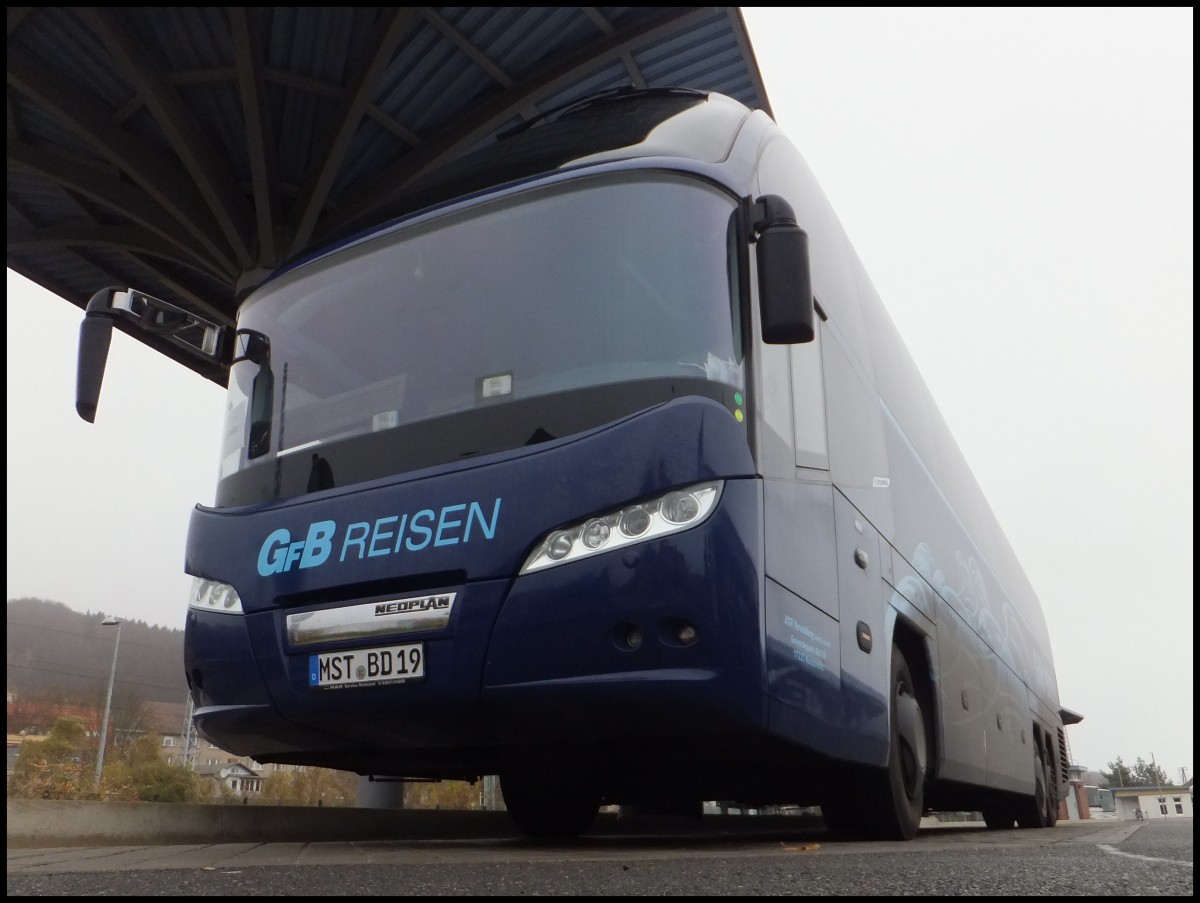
column 240, row 780
column 1153, row 802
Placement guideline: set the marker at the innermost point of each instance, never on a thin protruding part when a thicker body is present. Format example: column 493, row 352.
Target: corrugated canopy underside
column 189, row 151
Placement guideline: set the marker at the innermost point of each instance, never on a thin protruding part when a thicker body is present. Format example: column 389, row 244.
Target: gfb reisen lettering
column 390, row 535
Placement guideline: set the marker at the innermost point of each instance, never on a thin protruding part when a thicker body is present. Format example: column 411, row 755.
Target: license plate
column 367, row 667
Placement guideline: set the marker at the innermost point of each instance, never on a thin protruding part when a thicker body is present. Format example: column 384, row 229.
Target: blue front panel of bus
column 561, row 653
column 545, row 655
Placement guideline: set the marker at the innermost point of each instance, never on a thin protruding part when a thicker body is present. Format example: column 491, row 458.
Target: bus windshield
column 597, row 281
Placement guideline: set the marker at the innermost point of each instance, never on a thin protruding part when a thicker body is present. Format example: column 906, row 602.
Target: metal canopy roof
column 188, row 152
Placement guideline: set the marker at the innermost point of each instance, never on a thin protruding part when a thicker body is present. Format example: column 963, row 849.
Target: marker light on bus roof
column 673, row 512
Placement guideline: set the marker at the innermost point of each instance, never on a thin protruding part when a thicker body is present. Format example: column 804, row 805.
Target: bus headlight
column 673, row 512
column 213, row 596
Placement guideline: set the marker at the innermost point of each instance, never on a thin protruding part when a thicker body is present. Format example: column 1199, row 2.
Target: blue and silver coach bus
column 601, row 467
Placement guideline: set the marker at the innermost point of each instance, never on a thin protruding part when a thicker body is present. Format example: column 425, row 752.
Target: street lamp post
column 108, row 622
column 1162, row 800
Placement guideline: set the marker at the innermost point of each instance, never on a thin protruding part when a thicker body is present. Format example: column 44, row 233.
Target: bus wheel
column 1051, row 797
column 892, row 800
column 998, row 816
column 1033, row 811
column 907, row 757
column 547, row 806
column 845, row 809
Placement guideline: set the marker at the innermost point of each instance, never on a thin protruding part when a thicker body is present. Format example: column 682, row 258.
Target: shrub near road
column 63, row 767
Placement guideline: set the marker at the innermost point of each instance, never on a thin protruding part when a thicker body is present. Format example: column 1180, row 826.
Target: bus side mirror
column 95, row 336
column 162, row 324
column 784, row 280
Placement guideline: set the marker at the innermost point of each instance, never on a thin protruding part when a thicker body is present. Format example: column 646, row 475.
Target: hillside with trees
column 58, row 668
column 59, row 659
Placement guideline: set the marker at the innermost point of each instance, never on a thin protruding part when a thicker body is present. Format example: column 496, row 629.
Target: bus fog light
column 686, row 634
column 214, row 596
column 633, row 639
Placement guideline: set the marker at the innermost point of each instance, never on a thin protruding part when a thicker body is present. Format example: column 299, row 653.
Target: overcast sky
column 1019, row 186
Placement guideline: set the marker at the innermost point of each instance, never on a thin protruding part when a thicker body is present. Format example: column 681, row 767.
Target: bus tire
column 1033, row 811
column 999, row 816
column 546, row 808
column 844, row 809
column 1051, row 797
column 908, row 756
column 892, row 800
